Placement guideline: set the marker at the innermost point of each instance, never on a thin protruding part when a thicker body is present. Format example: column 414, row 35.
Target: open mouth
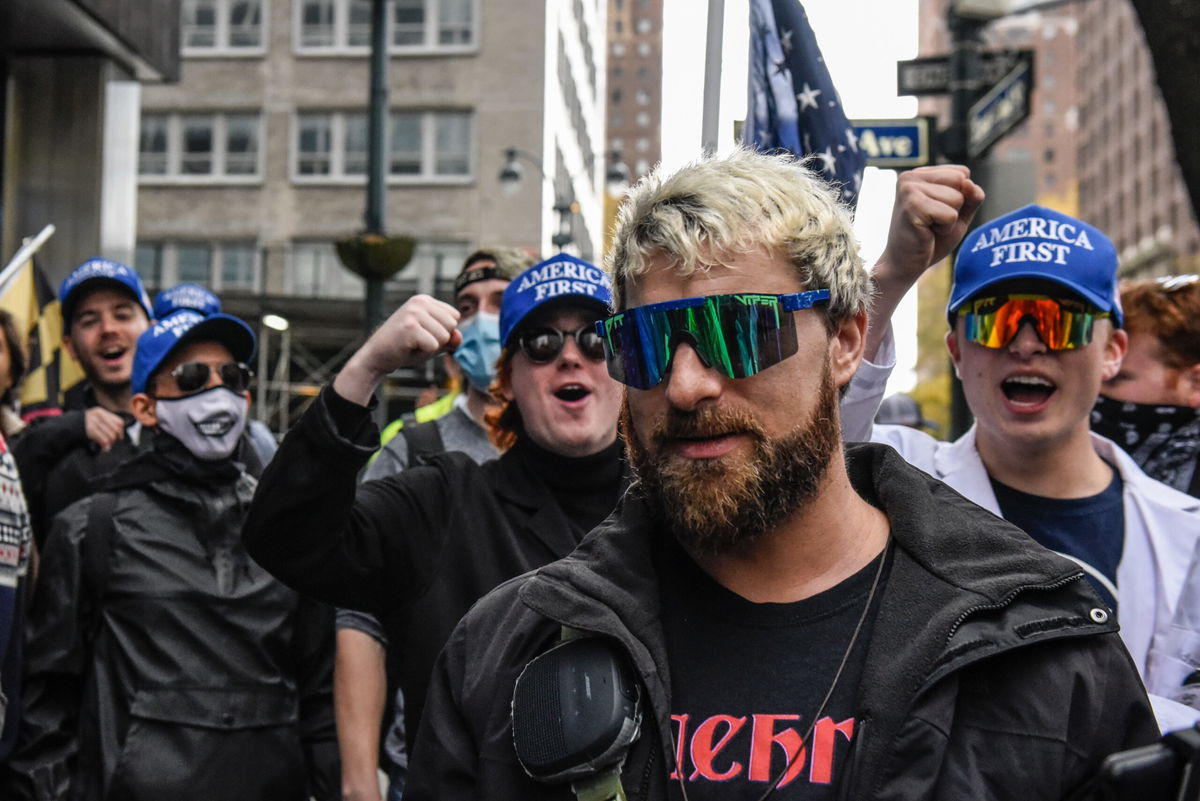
column 572, row 392
column 217, row 425
column 1027, row 390
column 113, row 354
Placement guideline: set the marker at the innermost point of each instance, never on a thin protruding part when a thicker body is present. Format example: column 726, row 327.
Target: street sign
column 896, row 144
column 999, row 111
column 931, row 76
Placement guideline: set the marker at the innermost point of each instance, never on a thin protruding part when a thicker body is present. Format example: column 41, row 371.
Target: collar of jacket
column 969, row 584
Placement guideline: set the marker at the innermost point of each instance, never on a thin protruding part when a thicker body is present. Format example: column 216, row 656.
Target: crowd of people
column 671, row 467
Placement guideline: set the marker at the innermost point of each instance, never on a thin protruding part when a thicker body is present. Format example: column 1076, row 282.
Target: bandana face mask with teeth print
column 208, row 423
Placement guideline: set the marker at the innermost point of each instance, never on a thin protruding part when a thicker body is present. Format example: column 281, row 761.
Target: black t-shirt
column 747, row 678
column 1090, row 531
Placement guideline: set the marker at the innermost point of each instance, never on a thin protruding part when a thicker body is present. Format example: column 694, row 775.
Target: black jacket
column 186, row 671
column 988, row 674
column 59, row 465
column 416, row 549
column 57, row 461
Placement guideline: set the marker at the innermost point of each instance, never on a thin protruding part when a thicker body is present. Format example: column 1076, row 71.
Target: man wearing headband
column 801, row 619
column 153, row 633
column 1035, row 328
column 459, row 422
column 452, row 423
column 419, row 547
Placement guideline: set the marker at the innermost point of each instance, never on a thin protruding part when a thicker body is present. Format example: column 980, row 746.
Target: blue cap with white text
column 97, row 274
column 558, row 278
column 175, row 330
column 186, row 296
column 1037, row 242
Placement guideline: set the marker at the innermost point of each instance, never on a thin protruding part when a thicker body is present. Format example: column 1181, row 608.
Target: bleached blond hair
column 745, row 201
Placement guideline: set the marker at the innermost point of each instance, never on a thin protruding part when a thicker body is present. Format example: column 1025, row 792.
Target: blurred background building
column 70, row 73
column 254, row 162
column 634, row 124
column 1096, row 145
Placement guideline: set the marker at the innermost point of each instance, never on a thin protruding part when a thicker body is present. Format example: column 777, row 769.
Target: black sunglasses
column 193, row 376
column 542, row 345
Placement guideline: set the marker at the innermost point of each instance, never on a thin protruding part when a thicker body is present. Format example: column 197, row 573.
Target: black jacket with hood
column 418, row 548
column 185, row 671
column 992, row 672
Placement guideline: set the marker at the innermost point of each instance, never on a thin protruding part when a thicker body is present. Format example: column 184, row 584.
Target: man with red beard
column 801, row 620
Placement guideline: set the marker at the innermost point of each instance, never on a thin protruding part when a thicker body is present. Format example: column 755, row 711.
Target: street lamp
column 512, row 175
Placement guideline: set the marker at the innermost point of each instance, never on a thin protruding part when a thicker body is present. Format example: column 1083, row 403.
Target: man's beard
column 725, row 505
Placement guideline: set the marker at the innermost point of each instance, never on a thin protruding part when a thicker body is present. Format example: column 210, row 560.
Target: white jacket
column 1160, row 561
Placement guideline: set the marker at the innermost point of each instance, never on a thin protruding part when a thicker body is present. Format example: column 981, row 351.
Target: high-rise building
column 1129, row 183
column 255, row 162
column 635, row 31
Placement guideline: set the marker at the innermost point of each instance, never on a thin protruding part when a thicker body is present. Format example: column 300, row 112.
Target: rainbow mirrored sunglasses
column 1062, row 324
column 738, row 335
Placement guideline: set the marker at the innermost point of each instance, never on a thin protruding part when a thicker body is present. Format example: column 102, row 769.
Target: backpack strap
column 96, row 556
column 423, row 440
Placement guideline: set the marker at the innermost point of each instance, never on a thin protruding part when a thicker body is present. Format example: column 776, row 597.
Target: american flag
column 793, row 105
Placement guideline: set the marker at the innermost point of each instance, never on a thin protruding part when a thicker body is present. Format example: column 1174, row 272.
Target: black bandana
column 1164, row 440
column 478, row 274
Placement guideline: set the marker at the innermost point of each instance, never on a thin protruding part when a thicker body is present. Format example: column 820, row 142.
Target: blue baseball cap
column 186, row 296
column 1037, row 242
column 94, row 274
column 160, row 340
column 558, row 278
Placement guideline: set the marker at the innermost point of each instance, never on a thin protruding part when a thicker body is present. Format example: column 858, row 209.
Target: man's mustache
column 704, row 423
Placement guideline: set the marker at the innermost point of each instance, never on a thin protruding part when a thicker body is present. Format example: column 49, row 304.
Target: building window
column 316, row 272
column 221, row 26
column 422, row 145
column 440, row 261
column 345, row 25
column 147, row 262
column 152, row 150
column 221, row 266
column 200, row 147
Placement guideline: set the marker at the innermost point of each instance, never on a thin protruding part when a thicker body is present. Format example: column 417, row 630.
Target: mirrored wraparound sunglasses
column 543, row 344
column 1061, row 324
column 738, row 335
column 193, row 376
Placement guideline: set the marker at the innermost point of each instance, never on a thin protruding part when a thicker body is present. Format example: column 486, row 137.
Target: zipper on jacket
column 1008, row 599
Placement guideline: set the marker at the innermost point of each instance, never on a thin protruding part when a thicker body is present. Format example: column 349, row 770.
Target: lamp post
column 512, row 174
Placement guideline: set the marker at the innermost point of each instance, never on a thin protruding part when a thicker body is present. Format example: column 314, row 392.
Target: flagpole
column 712, row 76
column 28, row 248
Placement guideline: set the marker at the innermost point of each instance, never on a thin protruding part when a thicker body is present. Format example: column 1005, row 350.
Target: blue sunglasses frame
column 737, row 345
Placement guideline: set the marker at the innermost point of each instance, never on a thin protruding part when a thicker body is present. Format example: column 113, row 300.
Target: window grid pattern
column 422, row 146
column 200, row 146
column 222, row 26
column 222, row 266
column 340, row 26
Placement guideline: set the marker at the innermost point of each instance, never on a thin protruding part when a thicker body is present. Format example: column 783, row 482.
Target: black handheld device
column 1168, row 770
column 576, row 709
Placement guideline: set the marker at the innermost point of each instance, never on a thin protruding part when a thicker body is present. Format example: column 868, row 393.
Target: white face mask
column 208, row 423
